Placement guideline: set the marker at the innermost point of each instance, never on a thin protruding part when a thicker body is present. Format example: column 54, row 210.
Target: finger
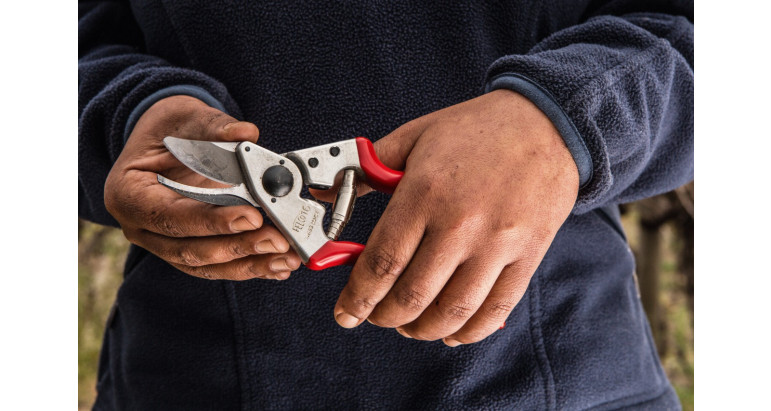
column 434, row 262
column 389, row 249
column 460, row 299
column 151, row 206
column 504, row 296
column 266, row 266
column 200, row 251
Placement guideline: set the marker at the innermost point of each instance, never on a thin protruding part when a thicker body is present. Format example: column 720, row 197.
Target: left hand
column 487, row 184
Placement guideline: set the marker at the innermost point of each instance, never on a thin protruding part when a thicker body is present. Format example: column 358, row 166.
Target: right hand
column 199, row 239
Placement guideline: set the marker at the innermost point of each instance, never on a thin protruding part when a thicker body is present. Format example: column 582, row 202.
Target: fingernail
column 451, row 342
column 242, row 224
column 402, row 332
column 346, row 320
column 293, row 263
column 503, row 326
column 279, row 264
column 266, row 246
column 228, row 125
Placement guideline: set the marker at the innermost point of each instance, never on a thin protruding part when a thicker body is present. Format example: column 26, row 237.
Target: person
column 519, row 126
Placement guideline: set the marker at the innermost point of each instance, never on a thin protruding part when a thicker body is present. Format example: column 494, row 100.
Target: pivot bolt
column 277, row 181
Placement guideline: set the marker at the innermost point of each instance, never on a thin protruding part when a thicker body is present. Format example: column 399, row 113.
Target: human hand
column 487, row 184
column 199, row 239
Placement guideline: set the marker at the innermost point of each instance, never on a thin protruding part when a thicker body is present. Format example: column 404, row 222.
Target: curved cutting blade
column 216, row 161
column 230, row 196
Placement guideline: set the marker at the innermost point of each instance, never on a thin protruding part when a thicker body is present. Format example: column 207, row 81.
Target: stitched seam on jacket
column 242, row 370
column 536, row 336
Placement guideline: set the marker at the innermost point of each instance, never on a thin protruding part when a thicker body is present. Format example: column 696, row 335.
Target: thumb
column 394, row 149
column 190, row 118
column 226, row 128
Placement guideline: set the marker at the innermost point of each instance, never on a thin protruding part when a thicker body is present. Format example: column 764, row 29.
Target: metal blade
column 230, row 196
column 216, row 161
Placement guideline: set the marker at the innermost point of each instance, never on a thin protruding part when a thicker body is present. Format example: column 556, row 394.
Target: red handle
column 379, row 177
column 335, row 253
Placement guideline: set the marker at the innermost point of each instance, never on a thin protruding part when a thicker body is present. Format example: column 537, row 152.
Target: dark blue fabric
column 307, row 74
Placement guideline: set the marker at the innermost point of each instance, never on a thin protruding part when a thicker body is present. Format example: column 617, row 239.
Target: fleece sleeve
column 117, row 81
column 619, row 88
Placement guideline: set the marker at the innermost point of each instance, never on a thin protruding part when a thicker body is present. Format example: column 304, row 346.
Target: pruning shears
column 273, row 182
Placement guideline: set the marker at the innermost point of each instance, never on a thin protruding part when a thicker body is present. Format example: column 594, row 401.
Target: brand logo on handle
column 301, row 219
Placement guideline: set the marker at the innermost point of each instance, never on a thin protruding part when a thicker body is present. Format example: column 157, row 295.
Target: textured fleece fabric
column 616, row 78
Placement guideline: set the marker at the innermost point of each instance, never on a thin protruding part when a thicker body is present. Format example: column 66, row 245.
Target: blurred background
column 660, row 232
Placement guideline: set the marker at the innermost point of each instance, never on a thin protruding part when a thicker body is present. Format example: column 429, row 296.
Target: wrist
column 541, row 137
column 546, row 103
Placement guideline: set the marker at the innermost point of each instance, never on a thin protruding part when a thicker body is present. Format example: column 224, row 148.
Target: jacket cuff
column 183, row 90
column 546, row 103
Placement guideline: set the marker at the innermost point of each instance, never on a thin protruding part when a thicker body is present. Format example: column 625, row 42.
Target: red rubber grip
column 379, row 177
column 335, row 253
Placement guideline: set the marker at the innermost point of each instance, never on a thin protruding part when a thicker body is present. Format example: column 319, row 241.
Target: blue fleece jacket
column 614, row 76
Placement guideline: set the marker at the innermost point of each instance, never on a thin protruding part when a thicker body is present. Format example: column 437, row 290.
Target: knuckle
column 211, row 226
column 411, row 298
column 457, row 310
column 384, row 266
column 187, row 257
column 161, row 221
column 506, row 225
column 499, row 308
column 462, row 227
column 202, row 272
column 363, row 304
column 359, row 305
column 236, row 249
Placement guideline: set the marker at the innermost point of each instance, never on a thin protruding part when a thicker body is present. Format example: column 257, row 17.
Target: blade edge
column 209, row 159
